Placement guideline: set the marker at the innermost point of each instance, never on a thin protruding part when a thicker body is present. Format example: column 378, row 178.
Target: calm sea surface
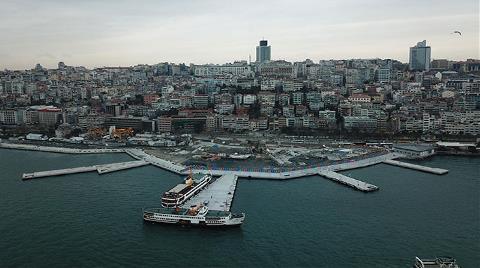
column 87, row 220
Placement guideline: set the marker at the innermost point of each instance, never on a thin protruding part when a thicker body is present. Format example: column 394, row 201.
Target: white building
column 238, row 69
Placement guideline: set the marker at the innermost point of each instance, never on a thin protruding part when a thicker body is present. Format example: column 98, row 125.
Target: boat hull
column 194, row 221
column 189, row 223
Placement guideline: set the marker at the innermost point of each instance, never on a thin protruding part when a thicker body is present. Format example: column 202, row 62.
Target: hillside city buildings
column 371, row 97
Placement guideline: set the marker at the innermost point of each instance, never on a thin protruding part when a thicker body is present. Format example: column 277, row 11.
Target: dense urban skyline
column 125, row 33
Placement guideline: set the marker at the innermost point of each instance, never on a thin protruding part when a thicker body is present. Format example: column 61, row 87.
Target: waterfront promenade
column 63, row 150
column 328, row 171
column 351, row 182
column 101, row 169
column 438, row 171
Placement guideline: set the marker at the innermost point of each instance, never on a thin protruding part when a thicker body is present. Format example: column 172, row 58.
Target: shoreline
column 329, row 171
column 180, row 169
column 53, row 149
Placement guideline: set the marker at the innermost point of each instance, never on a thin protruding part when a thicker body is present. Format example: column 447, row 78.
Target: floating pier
column 356, row 184
column 101, row 169
column 438, row 171
column 218, row 195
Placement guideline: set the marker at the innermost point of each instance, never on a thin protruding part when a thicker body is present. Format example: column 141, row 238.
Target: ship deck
column 218, row 195
column 196, row 180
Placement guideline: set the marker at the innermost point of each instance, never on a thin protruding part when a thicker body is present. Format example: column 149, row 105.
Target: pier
column 101, row 169
column 351, row 182
column 292, row 174
column 221, row 191
column 58, row 172
column 63, row 150
column 218, row 195
column 438, row 171
column 161, row 163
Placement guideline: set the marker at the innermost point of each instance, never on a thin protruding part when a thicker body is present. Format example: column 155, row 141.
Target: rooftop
column 414, row 147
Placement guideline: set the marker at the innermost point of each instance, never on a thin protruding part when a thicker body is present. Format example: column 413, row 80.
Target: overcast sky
column 121, row 33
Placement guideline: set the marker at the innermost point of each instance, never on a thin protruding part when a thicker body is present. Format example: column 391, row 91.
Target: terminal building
column 414, row 151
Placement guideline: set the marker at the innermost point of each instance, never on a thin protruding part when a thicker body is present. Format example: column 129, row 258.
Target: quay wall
column 30, row 147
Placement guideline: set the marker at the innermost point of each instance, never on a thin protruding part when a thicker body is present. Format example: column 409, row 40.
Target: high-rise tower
column 420, row 57
column 263, row 51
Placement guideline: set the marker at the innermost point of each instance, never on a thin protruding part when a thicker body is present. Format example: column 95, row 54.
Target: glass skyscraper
column 263, row 51
column 420, row 57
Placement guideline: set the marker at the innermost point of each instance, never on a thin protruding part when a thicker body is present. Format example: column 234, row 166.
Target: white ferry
column 440, row 262
column 182, row 192
column 196, row 215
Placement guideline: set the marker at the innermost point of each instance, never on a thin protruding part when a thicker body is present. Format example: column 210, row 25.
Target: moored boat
column 198, row 215
column 176, row 196
column 440, row 262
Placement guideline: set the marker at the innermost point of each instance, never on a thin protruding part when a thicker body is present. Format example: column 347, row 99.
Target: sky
column 95, row 33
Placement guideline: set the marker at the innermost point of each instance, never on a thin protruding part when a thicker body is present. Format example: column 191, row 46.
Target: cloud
column 100, row 33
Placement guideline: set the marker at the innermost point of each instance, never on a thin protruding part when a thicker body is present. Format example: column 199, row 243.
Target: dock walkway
column 219, row 194
column 63, row 150
column 58, row 172
column 101, row 169
column 354, row 183
column 161, row 163
column 438, row 171
column 300, row 172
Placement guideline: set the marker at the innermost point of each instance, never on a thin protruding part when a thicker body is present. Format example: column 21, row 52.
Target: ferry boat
column 197, row 215
column 440, row 262
column 176, row 196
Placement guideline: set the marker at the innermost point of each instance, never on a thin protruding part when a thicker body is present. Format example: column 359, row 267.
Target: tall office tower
column 263, row 51
column 420, row 57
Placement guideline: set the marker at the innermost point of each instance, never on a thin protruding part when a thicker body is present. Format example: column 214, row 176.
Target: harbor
column 104, row 207
column 329, row 169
